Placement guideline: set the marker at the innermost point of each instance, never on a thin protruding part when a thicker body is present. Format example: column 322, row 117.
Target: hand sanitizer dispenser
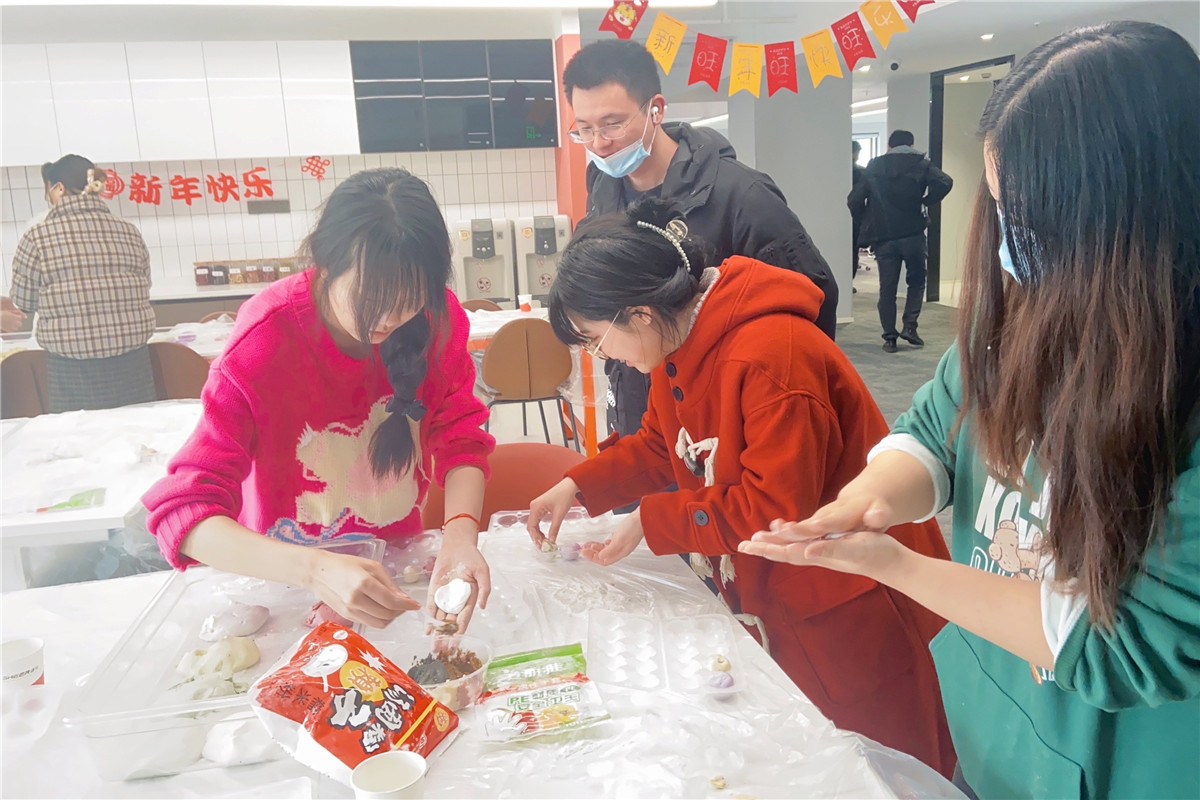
column 540, row 242
column 483, row 259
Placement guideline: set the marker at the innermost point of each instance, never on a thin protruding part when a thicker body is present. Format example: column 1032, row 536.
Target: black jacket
column 736, row 210
column 899, row 186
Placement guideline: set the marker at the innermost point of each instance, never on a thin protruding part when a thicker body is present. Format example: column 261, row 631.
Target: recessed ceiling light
column 987, row 37
column 865, row 68
column 965, row 78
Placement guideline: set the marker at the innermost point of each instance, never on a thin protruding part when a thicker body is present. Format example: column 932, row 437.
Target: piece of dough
column 238, row 619
column 453, row 596
column 320, row 613
column 228, row 656
column 236, row 742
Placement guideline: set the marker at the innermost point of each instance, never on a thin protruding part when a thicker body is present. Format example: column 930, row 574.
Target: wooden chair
column 23, row 385
column 526, row 363
column 218, row 315
column 179, row 371
column 520, row 472
column 481, row 305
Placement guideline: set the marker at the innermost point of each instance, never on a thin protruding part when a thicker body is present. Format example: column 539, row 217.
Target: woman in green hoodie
column 1065, row 429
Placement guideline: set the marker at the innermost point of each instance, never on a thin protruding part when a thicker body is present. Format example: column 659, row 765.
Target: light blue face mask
column 624, row 161
column 1006, row 259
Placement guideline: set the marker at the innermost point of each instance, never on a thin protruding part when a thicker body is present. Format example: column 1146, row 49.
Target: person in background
column 856, row 215
column 1064, row 427
column 343, row 392
column 900, row 186
column 755, row 414
column 11, row 317
column 615, row 93
column 86, row 274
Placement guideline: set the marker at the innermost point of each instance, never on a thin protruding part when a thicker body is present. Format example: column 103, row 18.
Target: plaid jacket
column 87, row 275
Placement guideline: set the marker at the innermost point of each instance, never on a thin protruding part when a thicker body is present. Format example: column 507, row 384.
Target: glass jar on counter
column 285, row 269
column 253, row 273
column 268, row 272
column 236, row 276
column 203, row 275
column 220, row 275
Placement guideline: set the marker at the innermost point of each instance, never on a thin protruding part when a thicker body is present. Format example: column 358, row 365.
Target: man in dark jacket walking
column 616, row 95
column 900, row 185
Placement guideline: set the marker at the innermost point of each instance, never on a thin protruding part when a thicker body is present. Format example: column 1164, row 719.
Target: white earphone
column 654, row 114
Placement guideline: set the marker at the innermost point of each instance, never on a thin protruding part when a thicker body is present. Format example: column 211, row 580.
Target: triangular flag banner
column 852, row 38
column 883, row 19
column 781, row 67
column 665, row 39
column 624, row 16
column 745, row 70
column 910, row 7
column 707, row 60
column 821, row 56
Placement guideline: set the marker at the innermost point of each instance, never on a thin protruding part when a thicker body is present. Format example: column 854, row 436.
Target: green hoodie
column 1120, row 714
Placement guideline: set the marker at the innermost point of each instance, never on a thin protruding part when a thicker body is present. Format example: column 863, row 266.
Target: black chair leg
column 558, row 407
column 487, row 421
column 575, row 431
column 524, row 420
column 545, row 426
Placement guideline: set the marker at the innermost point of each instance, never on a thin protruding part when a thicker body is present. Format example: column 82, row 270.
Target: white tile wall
column 492, row 183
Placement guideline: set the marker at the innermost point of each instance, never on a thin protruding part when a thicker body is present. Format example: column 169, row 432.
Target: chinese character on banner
column 113, row 185
column 185, row 189
column 745, row 68
column 665, row 39
column 781, row 67
column 145, row 189
column 821, row 56
column 708, row 60
column 257, row 185
column 624, row 16
column 315, row 166
column 910, row 7
column 222, row 187
column 882, row 17
column 852, row 38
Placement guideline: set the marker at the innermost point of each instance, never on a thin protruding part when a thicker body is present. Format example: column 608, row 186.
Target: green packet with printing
column 538, row 692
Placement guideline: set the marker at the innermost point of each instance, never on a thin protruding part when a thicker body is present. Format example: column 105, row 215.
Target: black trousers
column 857, row 225
column 912, row 251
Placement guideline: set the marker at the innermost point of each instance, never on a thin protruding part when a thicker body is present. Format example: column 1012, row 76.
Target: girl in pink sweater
column 344, row 390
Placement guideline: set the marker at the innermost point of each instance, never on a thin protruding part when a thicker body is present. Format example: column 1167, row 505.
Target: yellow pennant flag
column 745, row 68
column 665, row 39
column 821, row 56
column 884, row 19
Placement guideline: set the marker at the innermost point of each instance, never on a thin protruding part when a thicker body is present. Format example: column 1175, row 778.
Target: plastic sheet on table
column 206, row 338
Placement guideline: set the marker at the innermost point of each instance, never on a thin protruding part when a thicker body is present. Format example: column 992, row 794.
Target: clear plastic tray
column 675, row 654
column 136, row 729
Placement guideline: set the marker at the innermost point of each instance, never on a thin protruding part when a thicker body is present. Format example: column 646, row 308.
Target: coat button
column 678, row 393
column 700, row 517
column 671, row 370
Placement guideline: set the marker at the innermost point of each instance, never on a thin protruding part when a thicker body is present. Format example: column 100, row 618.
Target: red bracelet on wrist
column 463, row 515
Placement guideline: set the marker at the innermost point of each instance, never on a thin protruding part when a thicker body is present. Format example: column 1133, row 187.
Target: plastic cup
column 525, row 301
column 394, row 774
column 23, row 662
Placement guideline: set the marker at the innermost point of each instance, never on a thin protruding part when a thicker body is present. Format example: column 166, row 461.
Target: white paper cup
column 525, row 301
column 394, row 774
column 23, row 662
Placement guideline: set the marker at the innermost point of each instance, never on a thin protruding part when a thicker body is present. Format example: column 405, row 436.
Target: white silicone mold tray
column 576, row 526
column 677, row 654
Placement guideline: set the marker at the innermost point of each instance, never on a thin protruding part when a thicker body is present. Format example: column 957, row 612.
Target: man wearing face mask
column 616, row 96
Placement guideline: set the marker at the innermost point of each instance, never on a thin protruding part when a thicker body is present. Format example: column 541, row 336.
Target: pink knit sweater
column 283, row 443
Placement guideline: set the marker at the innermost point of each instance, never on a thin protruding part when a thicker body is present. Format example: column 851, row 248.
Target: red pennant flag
column 624, row 17
column 708, row 60
column 852, row 39
column 781, row 66
column 910, row 7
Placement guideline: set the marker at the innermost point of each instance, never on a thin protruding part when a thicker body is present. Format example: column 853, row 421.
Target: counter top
column 184, row 291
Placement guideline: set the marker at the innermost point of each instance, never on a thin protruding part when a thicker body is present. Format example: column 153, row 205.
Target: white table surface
column 768, row 741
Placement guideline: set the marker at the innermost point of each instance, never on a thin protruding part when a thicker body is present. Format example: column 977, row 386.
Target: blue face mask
column 624, row 161
column 1006, row 259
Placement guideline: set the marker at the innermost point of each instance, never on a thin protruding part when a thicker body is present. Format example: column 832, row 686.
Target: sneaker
column 910, row 335
column 889, row 346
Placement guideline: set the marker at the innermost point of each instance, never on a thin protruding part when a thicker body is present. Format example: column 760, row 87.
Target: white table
column 49, row 458
column 767, row 742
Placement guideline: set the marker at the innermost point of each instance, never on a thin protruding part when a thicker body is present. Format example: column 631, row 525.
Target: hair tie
column 94, row 185
column 670, row 237
column 413, row 409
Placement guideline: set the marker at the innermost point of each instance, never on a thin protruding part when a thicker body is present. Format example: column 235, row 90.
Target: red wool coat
column 758, row 416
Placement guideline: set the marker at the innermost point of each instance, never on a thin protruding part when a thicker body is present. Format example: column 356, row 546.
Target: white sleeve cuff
column 907, row 443
column 1062, row 607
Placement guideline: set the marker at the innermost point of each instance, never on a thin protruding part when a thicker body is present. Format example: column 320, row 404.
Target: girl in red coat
column 756, row 415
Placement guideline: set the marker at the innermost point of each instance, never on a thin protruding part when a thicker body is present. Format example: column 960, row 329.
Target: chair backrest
column 520, row 472
column 482, row 304
column 525, row 361
column 218, row 315
column 179, row 371
column 23, row 391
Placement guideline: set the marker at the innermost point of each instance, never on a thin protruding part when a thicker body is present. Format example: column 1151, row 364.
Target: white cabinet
column 318, row 98
column 246, row 99
column 170, row 100
column 92, row 102
column 29, row 130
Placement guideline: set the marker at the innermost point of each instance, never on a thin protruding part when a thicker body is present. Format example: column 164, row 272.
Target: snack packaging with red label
column 538, row 692
column 334, row 701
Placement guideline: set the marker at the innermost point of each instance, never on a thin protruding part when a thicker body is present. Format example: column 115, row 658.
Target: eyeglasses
column 609, row 133
column 594, row 349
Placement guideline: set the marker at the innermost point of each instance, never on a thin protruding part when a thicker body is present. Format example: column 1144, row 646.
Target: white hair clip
column 670, row 237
